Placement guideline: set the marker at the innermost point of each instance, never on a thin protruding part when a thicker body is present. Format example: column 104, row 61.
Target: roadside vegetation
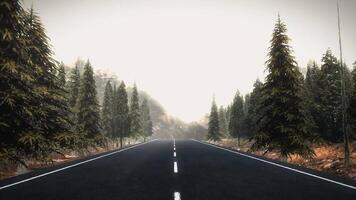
column 291, row 115
column 49, row 111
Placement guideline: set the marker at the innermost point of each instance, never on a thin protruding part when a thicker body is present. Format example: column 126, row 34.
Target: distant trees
column 213, row 126
column 236, row 127
column 136, row 129
column 121, row 114
column 223, row 122
column 107, row 115
column 89, row 109
column 146, row 120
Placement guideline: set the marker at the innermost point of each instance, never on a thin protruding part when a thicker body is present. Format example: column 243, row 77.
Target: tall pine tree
column 18, row 98
column 107, row 110
column 253, row 113
column 88, row 114
column 136, row 128
column 223, row 122
column 331, row 97
column 146, row 120
column 213, row 126
column 237, row 117
column 353, row 102
column 122, row 115
column 284, row 125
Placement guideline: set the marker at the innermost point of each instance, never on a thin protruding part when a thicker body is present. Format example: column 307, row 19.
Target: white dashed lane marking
column 175, row 167
column 177, row 196
column 174, row 154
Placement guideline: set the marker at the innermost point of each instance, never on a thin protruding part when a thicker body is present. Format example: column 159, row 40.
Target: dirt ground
column 328, row 157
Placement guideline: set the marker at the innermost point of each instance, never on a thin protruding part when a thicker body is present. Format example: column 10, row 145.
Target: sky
column 185, row 52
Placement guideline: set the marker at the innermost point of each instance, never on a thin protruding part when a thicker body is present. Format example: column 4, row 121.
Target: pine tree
column 253, row 112
column 88, row 114
column 73, row 86
column 237, row 117
column 223, row 122
column 146, row 120
column 107, row 111
column 313, row 86
column 122, row 115
column 284, row 124
column 331, row 97
column 52, row 109
column 353, row 102
column 214, row 128
column 17, row 80
column 136, row 129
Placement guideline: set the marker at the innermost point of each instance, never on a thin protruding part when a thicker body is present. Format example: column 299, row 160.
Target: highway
column 176, row 169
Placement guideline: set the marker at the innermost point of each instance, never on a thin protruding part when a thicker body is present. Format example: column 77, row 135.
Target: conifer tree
column 122, row 115
column 213, row 126
column 146, row 120
column 331, row 97
column 17, row 95
column 136, row 128
column 237, row 117
column 223, row 122
column 313, row 86
column 284, row 122
column 52, row 111
column 74, row 86
column 88, row 112
column 253, row 112
column 107, row 111
column 353, row 102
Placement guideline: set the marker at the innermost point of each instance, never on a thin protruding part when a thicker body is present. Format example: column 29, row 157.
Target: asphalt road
column 195, row 171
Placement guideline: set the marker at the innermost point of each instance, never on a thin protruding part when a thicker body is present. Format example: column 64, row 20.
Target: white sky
column 184, row 52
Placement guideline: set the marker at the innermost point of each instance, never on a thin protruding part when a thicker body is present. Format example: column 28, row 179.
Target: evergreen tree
column 122, row 115
column 331, row 97
column 253, row 112
column 107, row 111
column 88, row 112
column 353, row 102
column 214, row 128
column 74, row 86
column 52, row 110
column 146, row 120
column 237, row 117
column 313, row 86
column 284, row 124
column 223, row 122
column 136, row 128
column 17, row 95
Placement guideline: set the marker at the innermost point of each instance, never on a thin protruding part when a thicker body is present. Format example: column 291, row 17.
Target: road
column 195, row 171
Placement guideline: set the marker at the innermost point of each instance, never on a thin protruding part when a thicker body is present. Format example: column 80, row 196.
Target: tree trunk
column 121, row 142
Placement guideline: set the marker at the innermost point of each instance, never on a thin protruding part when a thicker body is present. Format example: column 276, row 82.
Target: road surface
column 176, row 169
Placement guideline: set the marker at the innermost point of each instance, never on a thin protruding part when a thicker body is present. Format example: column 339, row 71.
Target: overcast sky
column 182, row 52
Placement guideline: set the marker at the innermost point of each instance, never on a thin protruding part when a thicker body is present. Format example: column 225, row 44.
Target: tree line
column 290, row 112
column 43, row 112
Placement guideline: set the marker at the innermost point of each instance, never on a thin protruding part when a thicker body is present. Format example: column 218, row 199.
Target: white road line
column 70, row 166
column 282, row 166
column 175, row 167
column 177, row 196
column 174, row 154
column 174, row 148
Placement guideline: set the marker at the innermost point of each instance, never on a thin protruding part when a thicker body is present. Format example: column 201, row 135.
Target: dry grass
column 328, row 158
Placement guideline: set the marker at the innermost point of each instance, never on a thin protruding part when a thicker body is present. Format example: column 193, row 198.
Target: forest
column 290, row 112
column 48, row 108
